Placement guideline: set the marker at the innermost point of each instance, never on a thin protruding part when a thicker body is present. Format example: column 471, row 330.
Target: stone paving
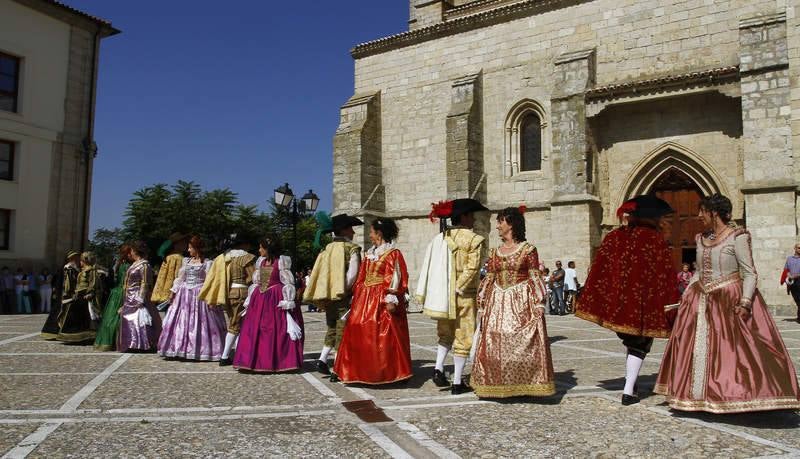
column 60, row 400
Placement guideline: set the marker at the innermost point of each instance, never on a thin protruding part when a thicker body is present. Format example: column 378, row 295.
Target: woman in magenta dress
column 375, row 347
column 725, row 354
column 271, row 339
column 193, row 330
column 140, row 324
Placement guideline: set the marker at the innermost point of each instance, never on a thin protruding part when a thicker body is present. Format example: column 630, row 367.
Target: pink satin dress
column 716, row 361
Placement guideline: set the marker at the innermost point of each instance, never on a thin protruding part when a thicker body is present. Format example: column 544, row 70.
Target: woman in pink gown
column 271, row 339
column 725, row 354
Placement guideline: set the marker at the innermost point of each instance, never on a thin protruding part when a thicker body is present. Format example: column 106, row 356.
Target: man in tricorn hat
column 226, row 286
column 631, row 283
column 448, row 286
column 51, row 327
column 332, row 279
column 175, row 246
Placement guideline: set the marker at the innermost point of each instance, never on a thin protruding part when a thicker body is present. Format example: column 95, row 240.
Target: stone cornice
column 712, row 76
column 769, row 186
column 760, row 21
column 475, row 21
column 70, row 15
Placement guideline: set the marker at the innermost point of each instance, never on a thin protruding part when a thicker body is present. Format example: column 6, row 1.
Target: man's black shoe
column 226, row 362
column 460, row 389
column 322, row 367
column 629, row 399
column 440, row 379
column 334, row 377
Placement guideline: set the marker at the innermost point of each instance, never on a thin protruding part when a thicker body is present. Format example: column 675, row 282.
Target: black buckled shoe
column 226, row 362
column 458, row 389
column 440, row 379
column 629, row 399
column 322, row 367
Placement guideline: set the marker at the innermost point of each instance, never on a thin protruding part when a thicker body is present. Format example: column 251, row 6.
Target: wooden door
column 683, row 195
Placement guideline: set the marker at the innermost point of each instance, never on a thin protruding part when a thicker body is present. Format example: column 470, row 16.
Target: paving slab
column 21, row 392
column 321, row 436
column 202, row 390
column 11, row 434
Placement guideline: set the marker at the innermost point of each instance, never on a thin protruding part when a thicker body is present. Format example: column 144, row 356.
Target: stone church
column 572, row 106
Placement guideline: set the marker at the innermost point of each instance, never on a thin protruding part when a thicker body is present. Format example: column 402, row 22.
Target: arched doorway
column 683, row 194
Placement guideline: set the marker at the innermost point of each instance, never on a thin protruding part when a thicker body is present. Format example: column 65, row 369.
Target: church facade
column 570, row 107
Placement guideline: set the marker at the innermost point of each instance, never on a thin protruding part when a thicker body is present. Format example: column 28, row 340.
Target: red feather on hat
column 442, row 209
column 626, row 208
column 523, row 209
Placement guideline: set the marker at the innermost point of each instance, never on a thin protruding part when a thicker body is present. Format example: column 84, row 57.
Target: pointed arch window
column 526, row 139
column 531, row 143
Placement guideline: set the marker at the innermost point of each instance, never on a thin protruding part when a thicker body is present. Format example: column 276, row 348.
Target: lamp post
column 285, row 198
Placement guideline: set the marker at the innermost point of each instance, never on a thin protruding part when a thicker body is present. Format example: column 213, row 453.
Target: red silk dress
column 375, row 347
column 630, row 282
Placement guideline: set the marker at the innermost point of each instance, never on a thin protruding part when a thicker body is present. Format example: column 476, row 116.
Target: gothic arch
column 664, row 158
column 512, row 130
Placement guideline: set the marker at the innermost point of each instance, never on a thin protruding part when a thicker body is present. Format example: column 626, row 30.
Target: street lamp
column 284, row 197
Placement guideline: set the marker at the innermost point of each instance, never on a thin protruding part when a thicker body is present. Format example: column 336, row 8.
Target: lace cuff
column 391, row 299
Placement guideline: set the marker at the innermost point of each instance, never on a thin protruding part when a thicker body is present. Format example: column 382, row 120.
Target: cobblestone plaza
column 60, row 400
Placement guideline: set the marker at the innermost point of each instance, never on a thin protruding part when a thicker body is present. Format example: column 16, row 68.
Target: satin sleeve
column 535, row 276
column 744, row 256
column 352, row 270
column 396, row 277
column 180, row 279
column 147, row 284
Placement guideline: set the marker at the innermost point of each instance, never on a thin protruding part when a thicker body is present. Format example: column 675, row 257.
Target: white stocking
column 323, row 356
column 229, row 339
column 459, row 362
column 441, row 354
column 632, row 366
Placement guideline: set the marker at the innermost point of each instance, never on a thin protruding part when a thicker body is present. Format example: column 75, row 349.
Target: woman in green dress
column 107, row 332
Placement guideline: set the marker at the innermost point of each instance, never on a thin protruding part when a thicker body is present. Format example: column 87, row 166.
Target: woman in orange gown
column 375, row 347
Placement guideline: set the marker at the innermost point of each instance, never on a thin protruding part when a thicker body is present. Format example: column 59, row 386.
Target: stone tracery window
column 526, row 134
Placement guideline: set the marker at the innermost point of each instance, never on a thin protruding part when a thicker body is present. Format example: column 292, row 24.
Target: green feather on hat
column 325, row 226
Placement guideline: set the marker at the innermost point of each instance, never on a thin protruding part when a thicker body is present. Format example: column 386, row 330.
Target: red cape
column 630, row 281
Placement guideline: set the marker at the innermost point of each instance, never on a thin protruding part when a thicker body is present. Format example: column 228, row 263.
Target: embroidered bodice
column 268, row 275
column 507, row 270
column 138, row 283
column 726, row 258
column 192, row 275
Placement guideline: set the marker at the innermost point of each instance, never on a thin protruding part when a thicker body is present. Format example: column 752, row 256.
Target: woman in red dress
column 375, row 347
column 631, row 282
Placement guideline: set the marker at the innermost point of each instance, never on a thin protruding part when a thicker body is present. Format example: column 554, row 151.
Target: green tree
column 105, row 244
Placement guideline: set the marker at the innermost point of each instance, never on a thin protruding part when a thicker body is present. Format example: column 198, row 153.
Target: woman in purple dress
column 271, row 339
column 139, row 324
column 192, row 329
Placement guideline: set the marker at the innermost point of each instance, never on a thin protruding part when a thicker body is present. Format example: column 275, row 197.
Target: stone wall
column 550, row 57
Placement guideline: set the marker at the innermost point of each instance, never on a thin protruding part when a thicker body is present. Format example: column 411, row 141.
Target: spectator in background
column 45, row 290
column 684, row 276
column 570, row 286
column 557, row 286
column 7, row 299
column 33, row 289
column 546, row 280
column 21, row 292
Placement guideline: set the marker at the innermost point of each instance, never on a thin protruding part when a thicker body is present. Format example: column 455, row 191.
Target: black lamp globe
column 311, row 201
column 283, row 195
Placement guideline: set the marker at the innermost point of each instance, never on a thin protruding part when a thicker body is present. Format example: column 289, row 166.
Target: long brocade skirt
column 134, row 335
column 513, row 353
column 720, row 363
column 192, row 330
column 106, row 339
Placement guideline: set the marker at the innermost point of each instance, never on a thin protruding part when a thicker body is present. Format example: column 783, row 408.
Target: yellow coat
column 166, row 277
column 328, row 281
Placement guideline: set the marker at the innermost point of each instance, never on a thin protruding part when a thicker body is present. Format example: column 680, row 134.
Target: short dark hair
column 513, row 217
column 141, row 249
column 387, row 227
column 273, row 246
column 719, row 204
column 571, row 264
column 546, row 270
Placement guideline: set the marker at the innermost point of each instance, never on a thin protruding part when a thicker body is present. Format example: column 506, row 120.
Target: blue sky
column 242, row 94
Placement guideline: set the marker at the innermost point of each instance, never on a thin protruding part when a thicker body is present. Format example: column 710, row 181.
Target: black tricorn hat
column 240, row 238
column 463, row 206
column 649, row 206
column 342, row 221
